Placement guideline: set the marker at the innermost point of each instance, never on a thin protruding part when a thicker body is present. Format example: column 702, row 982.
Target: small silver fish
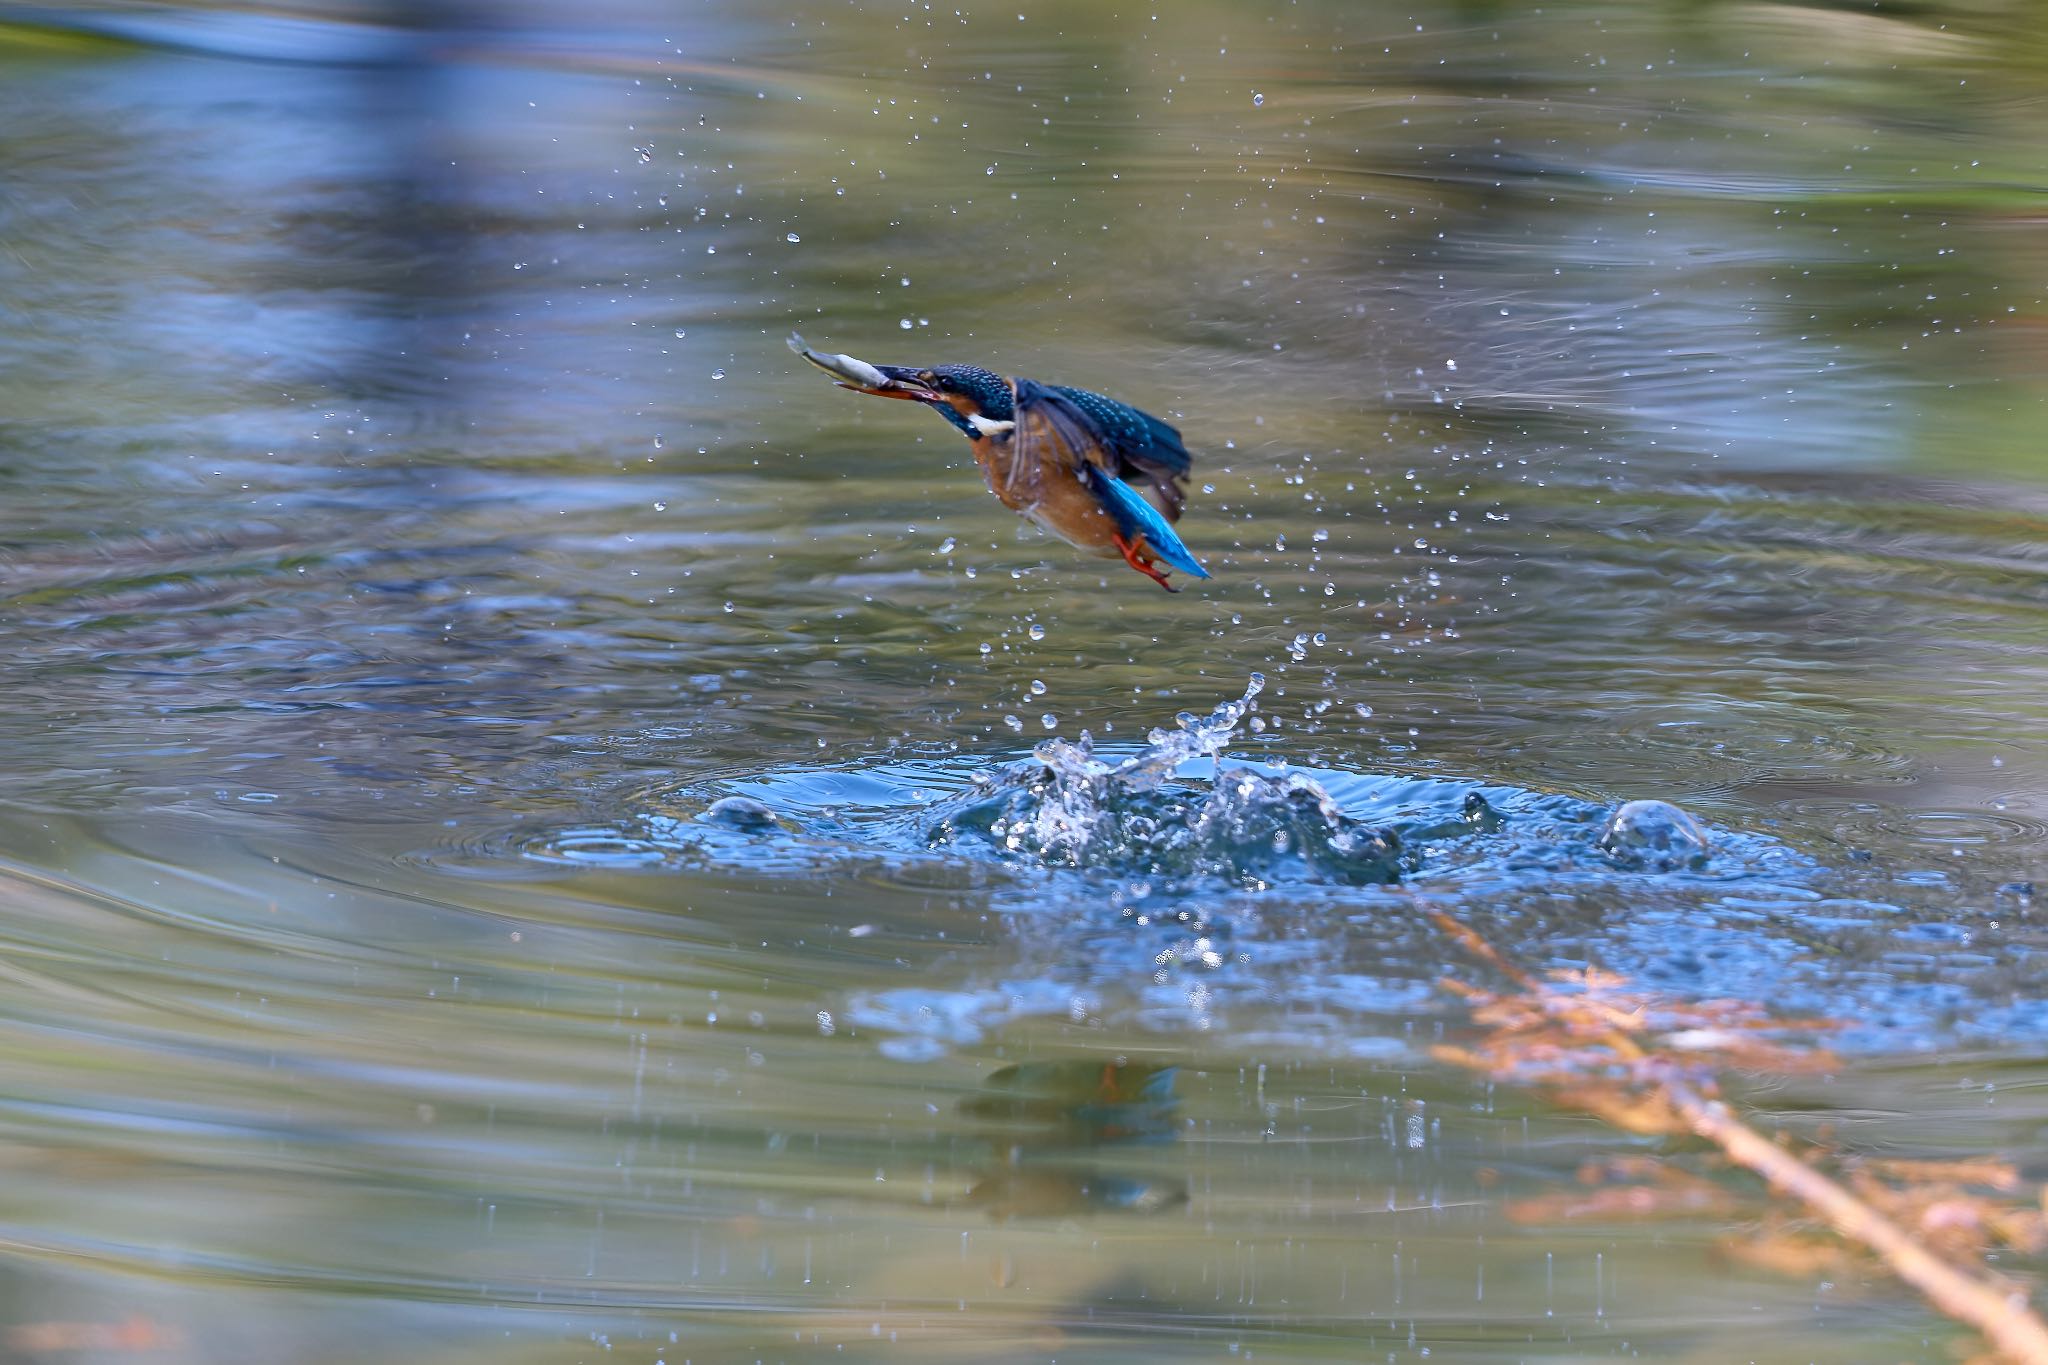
column 858, row 373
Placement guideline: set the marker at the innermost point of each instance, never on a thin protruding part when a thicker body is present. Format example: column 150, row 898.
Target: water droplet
column 991, row 171
column 1257, row 99
column 1038, row 687
column 987, row 648
column 905, row 323
column 946, row 546
column 792, row 237
column 660, row 506
column 1037, row 632
column 1013, row 723
column 680, row 334
column 729, row 608
column 1049, row 721
column 718, row 373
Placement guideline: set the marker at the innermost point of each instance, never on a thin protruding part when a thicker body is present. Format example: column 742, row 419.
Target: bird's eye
column 945, row 382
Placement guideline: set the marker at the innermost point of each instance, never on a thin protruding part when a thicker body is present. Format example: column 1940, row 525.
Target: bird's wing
column 1053, row 432
column 1048, row 433
column 1147, row 450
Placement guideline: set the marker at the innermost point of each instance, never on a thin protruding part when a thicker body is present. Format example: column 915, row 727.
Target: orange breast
column 1051, row 495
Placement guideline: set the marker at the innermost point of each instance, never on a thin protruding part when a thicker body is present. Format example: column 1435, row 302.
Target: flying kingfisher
column 1099, row 474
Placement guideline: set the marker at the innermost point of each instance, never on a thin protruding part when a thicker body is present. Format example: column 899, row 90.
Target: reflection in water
column 490, row 854
column 1047, row 1122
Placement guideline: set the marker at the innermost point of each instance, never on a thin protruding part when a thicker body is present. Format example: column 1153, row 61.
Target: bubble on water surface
column 740, row 812
column 1655, row 835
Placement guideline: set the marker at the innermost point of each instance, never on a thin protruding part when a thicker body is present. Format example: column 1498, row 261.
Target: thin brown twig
column 1549, row 1037
column 1471, row 942
column 2000, row 1312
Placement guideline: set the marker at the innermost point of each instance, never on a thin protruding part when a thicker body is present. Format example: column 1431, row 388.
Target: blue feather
column 1136, row 517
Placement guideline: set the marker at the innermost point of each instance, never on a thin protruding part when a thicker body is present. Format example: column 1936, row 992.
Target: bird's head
column 977, row 401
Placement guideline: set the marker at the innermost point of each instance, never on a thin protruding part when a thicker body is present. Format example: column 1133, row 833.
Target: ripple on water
column 1174, row 817
column 1870, row 826
column 1183, row 879
column 1724, row 745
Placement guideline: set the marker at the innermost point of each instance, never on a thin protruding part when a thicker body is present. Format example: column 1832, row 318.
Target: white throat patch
column 988, row 427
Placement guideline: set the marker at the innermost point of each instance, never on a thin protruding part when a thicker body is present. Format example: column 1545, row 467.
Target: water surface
column 411, row 525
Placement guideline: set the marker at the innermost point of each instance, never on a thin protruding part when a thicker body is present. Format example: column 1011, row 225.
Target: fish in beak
column 883, row 381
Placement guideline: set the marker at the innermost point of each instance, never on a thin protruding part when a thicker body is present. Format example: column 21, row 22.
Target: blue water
column 1239, row 879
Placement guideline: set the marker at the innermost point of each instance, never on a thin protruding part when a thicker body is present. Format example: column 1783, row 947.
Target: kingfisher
column 1101, row 475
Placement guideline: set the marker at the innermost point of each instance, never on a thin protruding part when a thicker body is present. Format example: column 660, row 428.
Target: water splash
column 1065, row 807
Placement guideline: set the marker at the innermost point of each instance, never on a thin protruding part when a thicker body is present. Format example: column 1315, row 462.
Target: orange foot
column 1130, row 553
